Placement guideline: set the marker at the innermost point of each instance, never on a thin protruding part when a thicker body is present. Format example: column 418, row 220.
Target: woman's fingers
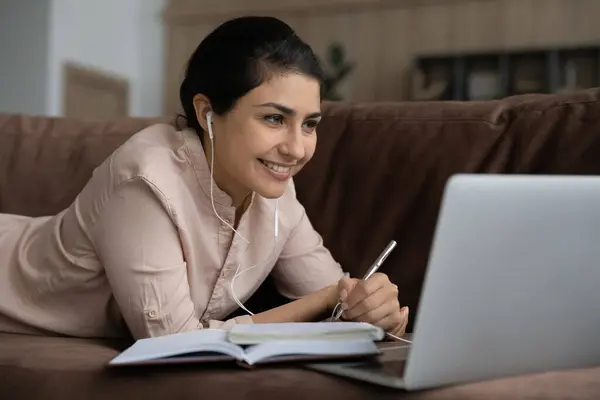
column 365, row 288
column 395, row 323
column 345, row 286
column 373, row 307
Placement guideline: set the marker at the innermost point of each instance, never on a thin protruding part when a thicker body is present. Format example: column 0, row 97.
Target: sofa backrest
column 46, row 161
column 378, row 173
column 380, row 169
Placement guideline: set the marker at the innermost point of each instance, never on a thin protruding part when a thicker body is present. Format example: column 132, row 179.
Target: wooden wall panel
column 397, row 48
column 181, row 44
column 476, row 26
column 385, row 36
column 94, row 94
column 518, row 19
column 369, row 45
column 549, row 21
column 583, row 21
column 430, row 27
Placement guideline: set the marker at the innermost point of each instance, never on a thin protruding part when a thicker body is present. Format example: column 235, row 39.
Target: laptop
column 512, row 286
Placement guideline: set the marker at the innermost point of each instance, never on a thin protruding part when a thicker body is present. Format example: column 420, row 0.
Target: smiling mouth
column 280, row 169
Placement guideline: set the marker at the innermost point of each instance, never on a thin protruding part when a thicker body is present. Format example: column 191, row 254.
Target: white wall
column 23, row 55
column 149, row 98
column 120, row 37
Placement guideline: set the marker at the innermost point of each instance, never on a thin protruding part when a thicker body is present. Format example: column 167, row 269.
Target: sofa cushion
column 46, row 161
column 53, row 368
column 380, row 169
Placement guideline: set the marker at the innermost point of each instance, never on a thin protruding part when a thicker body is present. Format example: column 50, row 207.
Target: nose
column 293, row 146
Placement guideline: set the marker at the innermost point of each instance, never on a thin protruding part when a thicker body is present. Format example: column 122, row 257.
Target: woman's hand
column 375, row 301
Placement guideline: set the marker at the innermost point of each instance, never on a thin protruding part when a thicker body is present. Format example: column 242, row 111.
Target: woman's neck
column 240, row 197
column 240, row 210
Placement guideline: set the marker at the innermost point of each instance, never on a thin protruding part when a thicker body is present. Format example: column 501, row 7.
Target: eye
column 274, row 119
column 310, row 125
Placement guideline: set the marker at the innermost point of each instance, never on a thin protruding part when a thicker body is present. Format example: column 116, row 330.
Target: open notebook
column 256, row 344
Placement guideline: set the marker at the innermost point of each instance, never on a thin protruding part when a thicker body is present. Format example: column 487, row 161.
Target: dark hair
column 238, row 56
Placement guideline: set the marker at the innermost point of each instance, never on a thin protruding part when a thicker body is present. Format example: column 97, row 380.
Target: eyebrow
column 287, row 110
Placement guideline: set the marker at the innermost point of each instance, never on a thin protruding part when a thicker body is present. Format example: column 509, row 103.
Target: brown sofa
column 378, row 174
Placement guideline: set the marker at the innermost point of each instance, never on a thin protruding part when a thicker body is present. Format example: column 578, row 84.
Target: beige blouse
column 141, row 250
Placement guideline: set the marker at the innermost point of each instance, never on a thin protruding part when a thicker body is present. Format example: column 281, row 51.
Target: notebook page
column 209, row 340
column 257, row 333
column 299, row 348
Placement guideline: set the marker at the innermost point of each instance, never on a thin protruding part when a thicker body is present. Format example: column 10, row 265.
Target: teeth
column 276, row 167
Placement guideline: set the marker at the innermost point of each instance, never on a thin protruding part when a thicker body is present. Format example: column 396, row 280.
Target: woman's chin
column 269, row 184
column 271, row 190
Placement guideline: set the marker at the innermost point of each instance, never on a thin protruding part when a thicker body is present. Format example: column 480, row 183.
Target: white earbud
column 276, row 220
column 209, row 122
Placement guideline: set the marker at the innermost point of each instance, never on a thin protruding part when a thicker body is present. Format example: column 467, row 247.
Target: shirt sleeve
column 305, row 265
column 138, row 245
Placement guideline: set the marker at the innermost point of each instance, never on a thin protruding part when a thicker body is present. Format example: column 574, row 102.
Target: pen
column 374, row 267
column 384, row 254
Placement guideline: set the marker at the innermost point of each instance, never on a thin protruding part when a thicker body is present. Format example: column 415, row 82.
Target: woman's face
column 267, row 137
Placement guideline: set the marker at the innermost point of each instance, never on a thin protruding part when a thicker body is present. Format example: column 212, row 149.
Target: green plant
column 338, row 69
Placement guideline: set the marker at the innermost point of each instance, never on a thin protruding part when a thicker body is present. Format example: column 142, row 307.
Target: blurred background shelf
column 494, row 75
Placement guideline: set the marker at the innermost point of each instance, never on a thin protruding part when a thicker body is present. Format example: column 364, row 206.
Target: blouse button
column 151, row 314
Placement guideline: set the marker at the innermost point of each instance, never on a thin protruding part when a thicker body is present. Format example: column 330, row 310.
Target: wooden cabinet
column 386, row 37
column 494, row 75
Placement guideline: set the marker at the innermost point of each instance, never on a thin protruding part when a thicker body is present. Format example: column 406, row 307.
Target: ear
column 202, row 106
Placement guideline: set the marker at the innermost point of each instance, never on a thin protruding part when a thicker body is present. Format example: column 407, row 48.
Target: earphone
column 275, row 216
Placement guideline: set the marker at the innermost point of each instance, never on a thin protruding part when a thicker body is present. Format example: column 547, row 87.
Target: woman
column 176, row 225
